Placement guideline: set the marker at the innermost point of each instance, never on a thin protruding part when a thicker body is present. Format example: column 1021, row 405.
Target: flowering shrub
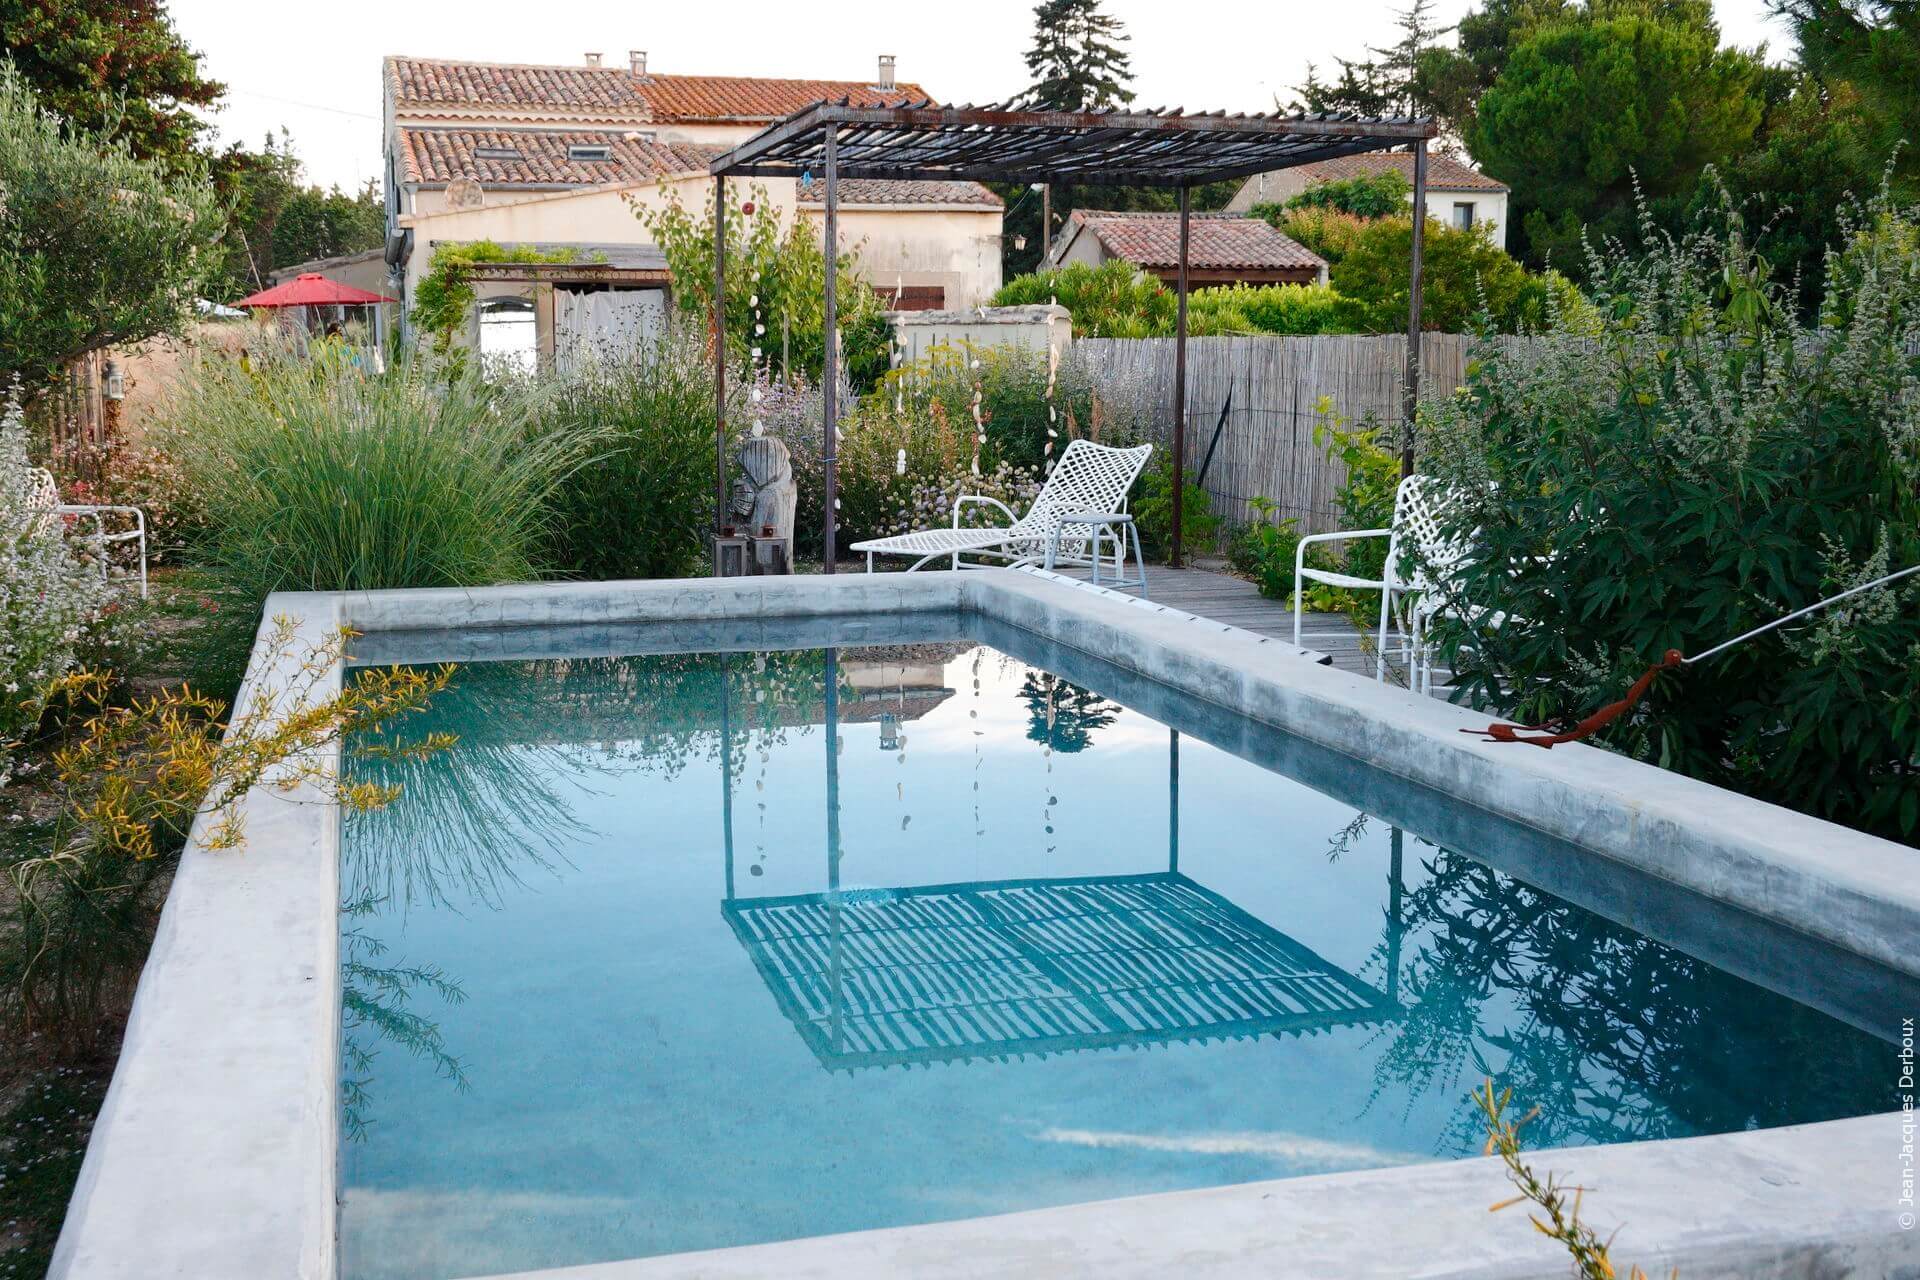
column 50, row 592
column 1686, row 460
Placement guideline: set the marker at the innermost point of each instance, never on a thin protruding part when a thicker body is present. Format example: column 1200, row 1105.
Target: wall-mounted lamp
column 889, row 731
column 113, row 382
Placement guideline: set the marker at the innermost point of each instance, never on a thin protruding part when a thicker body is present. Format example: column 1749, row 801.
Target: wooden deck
column 1237, row 602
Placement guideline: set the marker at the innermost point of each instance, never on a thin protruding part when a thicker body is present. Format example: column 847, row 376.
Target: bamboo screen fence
column 1265, row 447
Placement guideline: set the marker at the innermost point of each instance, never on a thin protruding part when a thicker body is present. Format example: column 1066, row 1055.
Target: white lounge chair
column 46, row 500
column 1088, row 477
column 1419, row 554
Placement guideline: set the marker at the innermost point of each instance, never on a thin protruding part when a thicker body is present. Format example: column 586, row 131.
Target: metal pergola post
column 719, row 359
column 1413, row 304
column 830, row 371
column 1180, row 381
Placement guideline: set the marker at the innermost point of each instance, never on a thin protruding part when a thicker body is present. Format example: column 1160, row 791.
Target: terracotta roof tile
column 738, row 98
column 455, row 88
column 435, row 156
column 1220, row 241
column 888, row 191
column 1444, row 173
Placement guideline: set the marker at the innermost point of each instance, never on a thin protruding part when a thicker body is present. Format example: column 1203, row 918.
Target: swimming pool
column 687, row 950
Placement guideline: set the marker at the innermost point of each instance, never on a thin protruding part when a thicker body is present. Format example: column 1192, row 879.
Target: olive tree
column 97, row 247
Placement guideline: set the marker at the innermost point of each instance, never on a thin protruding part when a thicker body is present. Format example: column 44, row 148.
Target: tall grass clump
column 319, row 476
column 642, row 507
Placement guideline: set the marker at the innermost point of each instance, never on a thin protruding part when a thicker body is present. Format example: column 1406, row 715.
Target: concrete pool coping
column 215, row 1152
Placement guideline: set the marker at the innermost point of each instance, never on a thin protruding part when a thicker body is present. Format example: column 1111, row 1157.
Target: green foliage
column 1370, row 195
column 1872, row 49
column 1585, row 110
column 642, row 507
column 1263, row 549
column 1387, row 82
column 1114, row 300
column 1272, row 308
column 1692, row 462
column 443, row 301
column 50, row 592
column 320, row 478
column 1076, row 59
column 43, row 1139
column 97, row 247
column 117, row 68
column 786, row 271
column 1331, row 233
column 1464, row 274
column 1152, row 508
column 1012, row 386
column 275, row 220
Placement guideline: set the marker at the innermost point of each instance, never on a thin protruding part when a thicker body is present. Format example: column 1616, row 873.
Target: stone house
column 559, row 156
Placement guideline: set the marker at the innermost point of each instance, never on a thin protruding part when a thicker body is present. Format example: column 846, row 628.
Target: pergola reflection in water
column 1000, row 969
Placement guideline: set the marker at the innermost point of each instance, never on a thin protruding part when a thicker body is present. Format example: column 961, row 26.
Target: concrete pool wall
column 215, row 1152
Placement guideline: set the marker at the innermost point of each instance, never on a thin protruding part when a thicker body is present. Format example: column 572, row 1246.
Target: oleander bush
column 1684, row 462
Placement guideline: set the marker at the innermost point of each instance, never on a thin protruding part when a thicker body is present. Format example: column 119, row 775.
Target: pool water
column 688, row 951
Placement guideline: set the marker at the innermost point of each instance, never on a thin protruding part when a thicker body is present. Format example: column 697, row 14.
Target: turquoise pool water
column 656, row 960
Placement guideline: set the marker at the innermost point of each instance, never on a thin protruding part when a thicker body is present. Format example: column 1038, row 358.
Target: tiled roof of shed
column 1220, row 241
column 888, row 191
column 1443, row 171
column 435, row 156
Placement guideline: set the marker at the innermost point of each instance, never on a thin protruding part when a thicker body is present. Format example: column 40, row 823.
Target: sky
column 316, row 70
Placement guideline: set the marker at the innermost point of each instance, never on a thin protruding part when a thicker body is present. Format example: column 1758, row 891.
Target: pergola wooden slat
column 923, row 141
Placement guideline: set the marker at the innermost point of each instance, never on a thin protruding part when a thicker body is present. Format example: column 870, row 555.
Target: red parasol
column 312, row 289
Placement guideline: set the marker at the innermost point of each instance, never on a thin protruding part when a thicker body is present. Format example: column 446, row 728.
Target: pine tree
column 1389, row 81
column 1076, row 59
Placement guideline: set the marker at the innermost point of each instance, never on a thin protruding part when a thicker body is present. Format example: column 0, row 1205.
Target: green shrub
column 1152, row 508
column 1263, row 549
column 317, row 477
column 1463, row 273
column 1274, row 308
column 1113, row 300
column 50, row 592
column 642, row 507
column 1689, row 461
column 1328, row 232
column 775, row 278
column 1370, row 195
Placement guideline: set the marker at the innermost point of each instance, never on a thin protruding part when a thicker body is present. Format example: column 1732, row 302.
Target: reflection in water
column 1614, row 1037
column 1064, row 716
column 946, row 973
column 374, row 1008
column 1292, row 1001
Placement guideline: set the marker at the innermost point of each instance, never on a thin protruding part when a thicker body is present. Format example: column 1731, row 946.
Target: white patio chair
column 1419, row 555
column 1088, row 477
column 46, row 500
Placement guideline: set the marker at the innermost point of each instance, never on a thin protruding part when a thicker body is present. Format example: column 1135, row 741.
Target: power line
column 294, row 102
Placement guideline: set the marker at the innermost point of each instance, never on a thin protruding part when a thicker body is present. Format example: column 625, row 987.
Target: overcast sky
column 316, row 68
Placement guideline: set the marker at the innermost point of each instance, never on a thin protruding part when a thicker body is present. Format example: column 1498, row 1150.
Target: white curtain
column 612, row 325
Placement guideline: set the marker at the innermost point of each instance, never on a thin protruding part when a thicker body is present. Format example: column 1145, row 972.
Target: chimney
column 637, row 63
column 886, row 71
column 593, row 59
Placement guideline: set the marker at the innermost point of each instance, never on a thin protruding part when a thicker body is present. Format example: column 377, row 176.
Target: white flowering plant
column 51, row 592
column 1685, row 460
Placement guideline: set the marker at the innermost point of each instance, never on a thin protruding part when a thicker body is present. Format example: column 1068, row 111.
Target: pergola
column 1161, row 148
